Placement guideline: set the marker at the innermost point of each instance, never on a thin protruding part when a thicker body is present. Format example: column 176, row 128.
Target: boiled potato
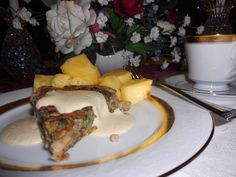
column 61, row 80
column 42, row 80
column 78, row 81
column 80, row 66
column 121, row 74
column 136, row 90
column 113, row 82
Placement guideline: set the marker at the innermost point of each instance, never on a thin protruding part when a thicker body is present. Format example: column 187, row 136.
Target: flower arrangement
column 144, row 29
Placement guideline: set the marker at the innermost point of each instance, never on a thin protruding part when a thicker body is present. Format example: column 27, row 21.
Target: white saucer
column 220, row 97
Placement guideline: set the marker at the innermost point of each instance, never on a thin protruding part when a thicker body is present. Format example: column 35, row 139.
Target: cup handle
column 232, row 74
column 233, row 52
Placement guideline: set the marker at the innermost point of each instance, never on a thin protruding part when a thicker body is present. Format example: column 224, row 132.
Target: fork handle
column 213, row 108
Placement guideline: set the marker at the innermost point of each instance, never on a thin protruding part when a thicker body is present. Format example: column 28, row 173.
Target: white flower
column 83, row 41
column 187, row 20
column 16, row 23
column 68, row 25
column 138, row 16
column 34, row 22
column 101, row 37
column 200, row 29
column 130, row 21
column 173, row 41
column 164, row 65
column 181, row 31
column 148, row 1
column 127, row 54
column 154, row 33
column 104, row 2
column 166, row 26
column 101, row 20
column 135, row 61
column 176, row 55
column 155, row 7
column 147, row 39
column 136, row 37
column 156, row 58
column 24, row 14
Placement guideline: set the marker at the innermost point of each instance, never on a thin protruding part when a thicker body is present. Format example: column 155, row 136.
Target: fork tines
column 136, row 74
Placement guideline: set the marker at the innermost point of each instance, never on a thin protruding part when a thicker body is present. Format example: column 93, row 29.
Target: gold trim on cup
column 211, row 38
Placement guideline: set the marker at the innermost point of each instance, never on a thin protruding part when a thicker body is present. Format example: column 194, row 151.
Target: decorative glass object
column 218, row 14
column 19, row 55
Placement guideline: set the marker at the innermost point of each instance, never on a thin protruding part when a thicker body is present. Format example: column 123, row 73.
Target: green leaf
column 121, row 28
column 132, row 29
column 69, row 55
column 117, row 46
column 49, row 3
column 116, row 21
column 136, row 48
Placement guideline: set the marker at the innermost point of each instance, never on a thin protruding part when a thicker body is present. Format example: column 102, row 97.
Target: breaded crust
column 60, row 131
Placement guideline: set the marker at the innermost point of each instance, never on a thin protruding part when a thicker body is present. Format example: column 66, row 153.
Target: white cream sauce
column 106, row 122
column 23, row 132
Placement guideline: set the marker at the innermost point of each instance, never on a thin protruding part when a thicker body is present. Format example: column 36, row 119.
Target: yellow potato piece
column 42, row 80
column 113, row 82
column 122, row 75
column 136, row 90
column 80, row 66
column 79, row 81
column 61, row 80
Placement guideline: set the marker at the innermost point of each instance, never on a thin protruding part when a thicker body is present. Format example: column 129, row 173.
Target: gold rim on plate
column 167, row 121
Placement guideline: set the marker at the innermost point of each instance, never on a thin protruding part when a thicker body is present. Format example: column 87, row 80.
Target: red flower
column 95, row 28
column 173, row 17
column 128, row 7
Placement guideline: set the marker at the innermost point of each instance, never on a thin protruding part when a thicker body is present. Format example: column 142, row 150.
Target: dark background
column 42, row 39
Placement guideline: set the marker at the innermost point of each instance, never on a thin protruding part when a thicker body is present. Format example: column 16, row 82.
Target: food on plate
column 16, row 132
column 127, row 89
column 61, row 80
column 79, row 81
column 121, row 74
column 112, row 82
column 42, row 80
column 79, row 101
column 80, row 66
column 78, row 70
column 114, row 137
column 67, row 115
column 136, row 90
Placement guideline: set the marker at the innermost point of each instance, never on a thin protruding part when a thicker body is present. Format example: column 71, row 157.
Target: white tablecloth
column 218, row 159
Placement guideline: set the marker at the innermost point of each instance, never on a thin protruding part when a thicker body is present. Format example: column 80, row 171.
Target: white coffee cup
column 211, row 61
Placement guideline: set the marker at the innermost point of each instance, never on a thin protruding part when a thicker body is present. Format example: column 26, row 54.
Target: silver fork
column 224, row 112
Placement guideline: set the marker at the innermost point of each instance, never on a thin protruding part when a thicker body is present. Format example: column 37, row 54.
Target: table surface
column 216, row 160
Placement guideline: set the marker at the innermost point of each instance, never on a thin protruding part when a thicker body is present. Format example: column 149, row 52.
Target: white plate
column 190, row 132
column 221, row 97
